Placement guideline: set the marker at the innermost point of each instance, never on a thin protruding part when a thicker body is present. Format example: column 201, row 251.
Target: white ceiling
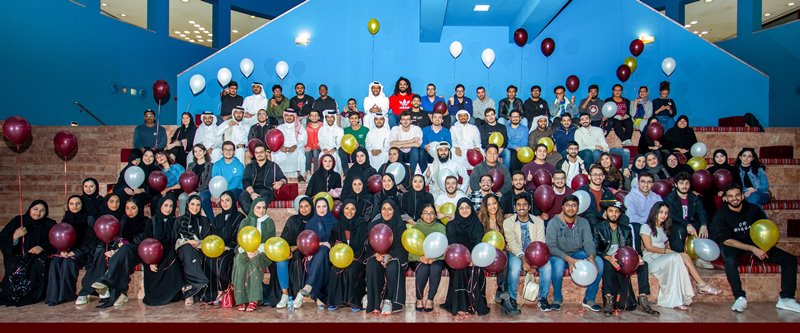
column 718, row 17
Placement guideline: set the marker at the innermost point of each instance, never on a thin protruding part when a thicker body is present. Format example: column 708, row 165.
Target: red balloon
column 440, row 107
column 544, row 197
column 717, row 201
column 620, row 195
column 62, row 236
column 157, row 181
column 160, row 89
column 251, row 145
column 381, row 238
column 106, row 228
column 65, row 143
column 308, row 242
column 628, row 260
column 542, row 177
column 636, row 47
column 189, row 181
column 151, row 251
column 573, row 83
column 474, row 157
column 548, row 46
column 499, row 263
column 702, row 180
column 274, row 139
column 457, row 256
column 497, row 178
column 579, row 181
column 616, row 160
column 655, row 131
column 623, row 72
column 537, row 254
column 662, row 187
column 17, row 130
column 374, row 183
column 520, row 37
column 337, row 208
column 722, row 179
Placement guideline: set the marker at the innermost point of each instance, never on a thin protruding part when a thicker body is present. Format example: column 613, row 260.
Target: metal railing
column 84, row 109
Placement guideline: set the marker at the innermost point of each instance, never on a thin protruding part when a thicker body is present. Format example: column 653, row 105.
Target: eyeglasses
column 571, row 205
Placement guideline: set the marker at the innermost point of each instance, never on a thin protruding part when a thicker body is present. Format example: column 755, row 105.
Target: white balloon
column 442, row 176
column 134, row 177
column 281, row 68
column 668, row 65
column 483, row 254
column 487, row 56
column 455, row 49
column 197, row 83
column 296, row 203
column 699, row 149
column 246, row 66
column 224, row 76
column 584, row 273
column 609, row 109
column 435, row 244
column 217, row 185
column 398, row 171
column 583, row 200
column 706, row 249
column 182, row 202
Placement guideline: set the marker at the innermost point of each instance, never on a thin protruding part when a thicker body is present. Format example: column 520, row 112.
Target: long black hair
column 755, row 165
column 652, row 219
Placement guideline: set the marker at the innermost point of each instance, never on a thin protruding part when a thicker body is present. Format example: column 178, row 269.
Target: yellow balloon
column 213, row 246
column 341, row 255
column 689, row 248
column 631, row 62
column 525, row 154
column 637, row 123
column 496, row 239
column 249, row 238
column 373, row 26
column 276, row 249
column 444, row 220
column 764, row 234
column 496, row 139
column 547, row 142
column 349, row 143
column 447, row 208
column 327, row 197
column 697, row 163
column 412, row 240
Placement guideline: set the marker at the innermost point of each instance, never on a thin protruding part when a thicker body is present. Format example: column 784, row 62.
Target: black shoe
column 593, row 307
column 105, row 303
column 555, row 306
column 544, row 306
column 644, row 305
column 506, row 307
column 513, row 303
column 300, row 179
column 608, row 305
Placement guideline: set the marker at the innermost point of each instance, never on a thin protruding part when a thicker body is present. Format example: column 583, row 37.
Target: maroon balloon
column 106, row 228
column 537, row 254
column 544, row 197
column 499, row 263
column 623, row 72
column 157, row 181
column 65, row 143
column 337, row 209
column 62, row 236
column 702, row 180
column 440, row 107
column 627, row 259
column 542, row 177
column 717, row 201
column 474, row 157
column 520, row 37
column 189, row 181
column 374, row 183
column 573, row 83
column 16, row 130
column 160, row 89
column 497, row 178
column 722, row 179
column 548, row 46
column 655, row 131
column 308, row 242
column 579, row 181
column 616, row 160
column 636, row 47
column 274, row 139
column 662, row 187
column 457, row 256
column 381, row 238
column 251, row 145
column 620, row 195
column 151, row 251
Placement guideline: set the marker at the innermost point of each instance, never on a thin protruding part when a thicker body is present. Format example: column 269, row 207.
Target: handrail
column 84, row 109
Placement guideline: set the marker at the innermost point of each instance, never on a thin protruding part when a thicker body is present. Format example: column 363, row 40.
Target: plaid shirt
column 476, row 197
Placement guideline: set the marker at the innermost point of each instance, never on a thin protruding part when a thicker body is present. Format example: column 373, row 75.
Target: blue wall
column 775, row 51
column 588, row 44
column 57, row 52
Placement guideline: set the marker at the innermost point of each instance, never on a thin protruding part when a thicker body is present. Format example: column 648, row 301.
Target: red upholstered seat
column 764, row 161
column 198, row 119
column 734, row 129
column 124, row 153
column 782, row 205
column 736, row 121
column 776, row 152
column 748, row 264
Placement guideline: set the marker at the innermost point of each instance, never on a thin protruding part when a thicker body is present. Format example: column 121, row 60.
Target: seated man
column 262, row 178
column 520, row 230
column 235, row 130
column 465, row 137
column 451, row 195
column 688, row 215
column 207, row 135
column 591, row 141
column 491, row 162
column 359, row 132
column 444, row 162
column 377, row 141
column 476, row 197
column 231, row 169
column 330, row 139
column 149, row 134
column 376, row 102
column 408, row 138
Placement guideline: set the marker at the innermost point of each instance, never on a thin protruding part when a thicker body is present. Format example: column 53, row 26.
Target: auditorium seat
column 735, row 121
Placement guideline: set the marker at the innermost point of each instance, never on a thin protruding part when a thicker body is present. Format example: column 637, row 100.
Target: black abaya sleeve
column 397, row 250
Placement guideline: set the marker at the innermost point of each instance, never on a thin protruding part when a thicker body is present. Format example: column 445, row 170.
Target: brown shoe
column 608, row 305
column 644, row 305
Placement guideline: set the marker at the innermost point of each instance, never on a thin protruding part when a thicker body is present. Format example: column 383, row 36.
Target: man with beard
column 451, row 194
column 572, row 164
column 235, row 131
column 259, row 129
column 639, row 202
column 399, row 101
column 480, row 104
column 253, row 103
column 564, row 134
column 539, row 162
column 435, row 133
column 491, row 162
column 476, row 197
column 351, row 107
column 262, row 178
column 456, row 103
column 598, row 194
column 510, row 103
column 229, row 99
column 375, row 102
column 520, row 230
column 149, row 135
column 324, row 102
column 465, row 136
column 540, row 128
column 232, row 170
column 330, row 139
column 291, row 157
column 493, row 126
column 444, row 163
column 418, row 116
column 359, row 132
column 517, row 189
column 408, row 138
column 277, row 104
column 301, row 103
column 591, row 141
column 730, row 228
column 593, row 106
column 517, row 138
column 688, row 216
column 535, row 105
column 377, row 142
column 207, row 135
column 431, row 98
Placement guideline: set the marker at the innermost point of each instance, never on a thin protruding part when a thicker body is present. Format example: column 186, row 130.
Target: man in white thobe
column 291, row 157
column 330, row 139
column 235, row 131
column 257, row 101
column 443, row 164
column 377, row 142
column 375, row 102
column 465, row 136
column 207, row 135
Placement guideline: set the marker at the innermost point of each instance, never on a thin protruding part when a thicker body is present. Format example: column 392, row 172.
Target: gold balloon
column 495, row 239
column 249, row 238
column 447, row 208
column 631, row 62
column 496, row 139
column 327, row 197
column 689, row 248
column 276, row 249
column 213, row 246
column 349, row 143
column 697, row 163
column 341, row 255
column 412, row 240
column 444, row 220
column 525, row 154
column 373, row 26
column 547, row 142
column 764, row 234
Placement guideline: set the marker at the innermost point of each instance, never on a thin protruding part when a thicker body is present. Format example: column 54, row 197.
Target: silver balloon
column 668, row 65
column 698, row 149
column 435, row 244
column 134, row 177
column 706, row 249
column 398, row 171
column 584, row 273
column 296, row 203
column 583, row 200
column 217, row 186
column 182, row 203
column 442, row 176
column 609, row 109
column 483, row 254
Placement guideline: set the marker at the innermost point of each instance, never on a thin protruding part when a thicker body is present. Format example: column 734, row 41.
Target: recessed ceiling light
column 177, row 32
column 191, row 40
column 200, row 40
column 185, row 1
column 198, row 36
column 709, row 0
column 201, row 29
column 105, row 4
column 687, row 26
column 791, row 4
column 186, row 38
column 481, row 8
column 209, row 39
column 696, row 32
column 197, row 32
column 235, row 31
column 196, row 25
column 192, row 22
column 182, row 35
column 123, row 15
column 252, row 16
column 767, row 14
column 693, row 22
column 209, row 35
column 704, row 32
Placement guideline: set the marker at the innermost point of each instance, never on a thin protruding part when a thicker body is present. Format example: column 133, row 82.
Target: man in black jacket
column 596, row 177
column 262, row 178
column 688, row 216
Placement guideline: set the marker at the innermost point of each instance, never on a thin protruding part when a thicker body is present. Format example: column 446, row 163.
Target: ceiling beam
column 261, row 8
column 431, row 20
column 534, row 16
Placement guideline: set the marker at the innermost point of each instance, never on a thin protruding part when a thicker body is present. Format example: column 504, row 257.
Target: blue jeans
column 283, row 274
column 558, row 268
column 515, row 266
column 205, row 199
column 393, row 119
column 415, row 156
column 624, row 153
column 506, row 156
column 666, row 121
column 589, row 157
column 758, row 198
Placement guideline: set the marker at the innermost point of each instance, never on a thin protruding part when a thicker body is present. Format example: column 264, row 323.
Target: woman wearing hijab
column 386, row 282
column 318, row 268
column 26, row 249
column 182, row 140
column 63, row 273
column 218, row 270
column 360, row 195
column 638, row 166
column 202, row 166
column 754, row 177
column 646, row 144
column 361, row 169
column 92, row 200
column 427, row 270
column 653, row 166
column 394, row 157
column 413, row 201
column 113, row 206
column 347, row 286
column 720, row 162
column 674, row 166
column 325, row 178
column 295, row 268
column 145, row 160
column 191, row 229
column 681, row 137
column 164, row 281
column 466, row 293
column 248, row 266
column 388, row 191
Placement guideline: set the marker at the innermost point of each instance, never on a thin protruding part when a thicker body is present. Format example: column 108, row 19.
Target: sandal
column 251, row 306
column 241, row 307
column 708, row 289
column 682, row 308
column 418, row 307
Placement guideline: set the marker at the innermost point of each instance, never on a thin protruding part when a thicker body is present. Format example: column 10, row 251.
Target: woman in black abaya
column 218, row 270
column 414, row 200
column 466, row 293
column 279, row 295
column 347, row 286
column 191, row 229
column 92, row 200
column 386, row 280
column 325, row 178
column 389, row 191
column 63, row 273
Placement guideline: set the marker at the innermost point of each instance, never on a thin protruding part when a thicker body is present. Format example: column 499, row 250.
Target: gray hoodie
column 563, row 241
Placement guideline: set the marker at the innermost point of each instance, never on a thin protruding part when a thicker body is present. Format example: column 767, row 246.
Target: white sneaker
column 284, row 302
column 82, row 300
column 627, row 142
column 703, row 264
column 105, row 295
column 788, row 304
column 364, row 302
column 121, row 300
column 741, row 304
column 298, row 301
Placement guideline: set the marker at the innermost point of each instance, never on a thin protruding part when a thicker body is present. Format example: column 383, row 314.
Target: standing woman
column 295, row 267
column 466, row 293
column 92, row 200
column 428, row 271
column 491, row 216
column 347, row 285
column 248, row 267
column 113, row 206
column 389, row 191
column 191, row 229
column 182, row 140
column 64, row 267
column 386, row 282
column 26, row 247
column 164, row 282
column 218, row 270
column 173, row 172
column 754, row 177
column 316, row 280
column 413, row 201
column 325, row 178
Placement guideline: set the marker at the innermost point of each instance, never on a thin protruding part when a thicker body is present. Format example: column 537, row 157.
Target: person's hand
column 36, row 250
column 626, row 172
column 641, row 261
column 21, row 231
column 598, row 147
column 378, row 257
column 572, row 99
column 759, row 253
column 525, row 266
column 164, row 192
column 690, row 230
column 325, row 244
column 571, row 264
column 458, row 151
column 248, row 115
column 273, row 102
column 418, row 141
column 251, row 255
column 109, row 254
column 63, row 254
column 154, row 268
column 254, row 195
column 451, row 100
column 613, row 262
column 292, row 149
column 129, row 191
column 307, row 149
column 232, row 123
column 193, row 243
column 423, row 259
column 703, row 232
column 545, row 216
column 636, row 101
column 283, row 149
column 529, row 178
column 225, row 91
column 277, row 185
column 214, row 200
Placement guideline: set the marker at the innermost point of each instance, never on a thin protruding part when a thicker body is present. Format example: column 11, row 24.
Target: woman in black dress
column 113, row 206
column 347, row 286
column 182, row 140
column 63, row 274
column 394, row 156
column 325, row 178
column 318, row 268
column 145, row 160
column 361, row 169
column 414, row 200
column 359, row 193
column 296, row 268
column 388, row 191
column 92, row 200
column 386, row 279
column 191, row 229
column 164, row 282
column 466, row 293
column 218, row 270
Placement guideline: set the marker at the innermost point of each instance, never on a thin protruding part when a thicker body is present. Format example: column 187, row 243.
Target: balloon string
column 65, row 178
column 373, row 58
column 547, row 73
column 19, row 184
column 521, row 51
column 158, row 119
column 454, row 71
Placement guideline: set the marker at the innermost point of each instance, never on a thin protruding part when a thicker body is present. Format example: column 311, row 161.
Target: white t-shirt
column 659, row 241
column 398, row 134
